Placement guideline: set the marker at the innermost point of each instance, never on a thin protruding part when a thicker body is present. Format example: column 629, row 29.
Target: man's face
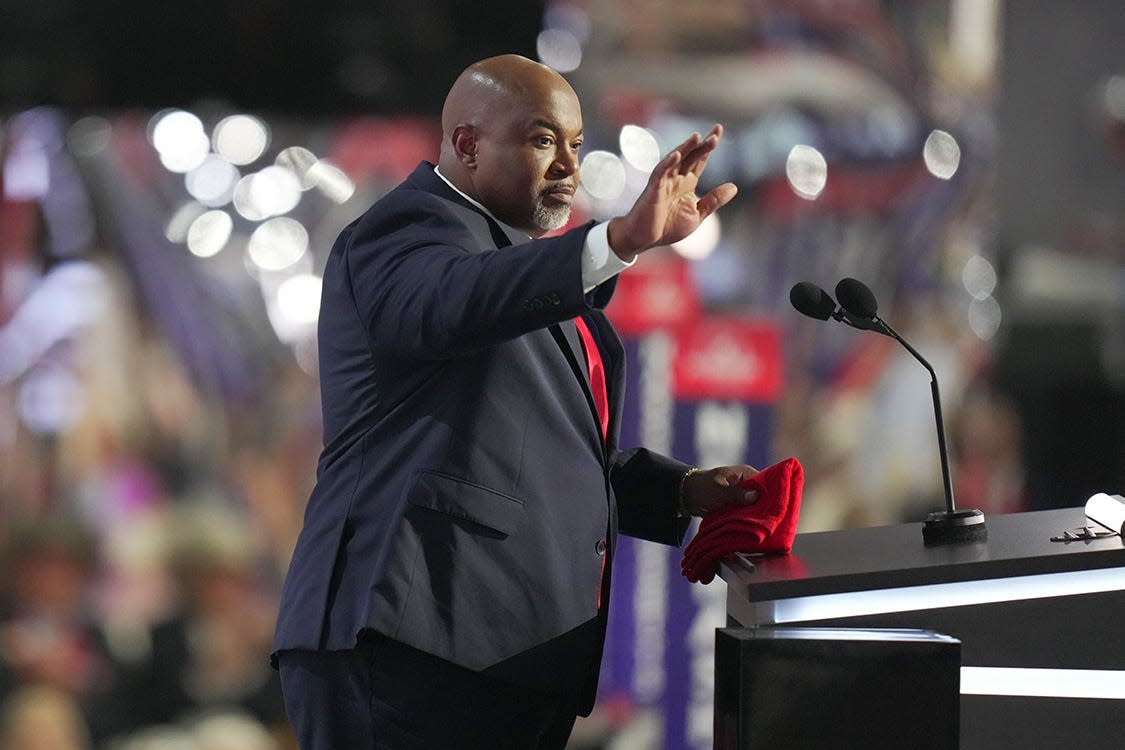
column 527, row 159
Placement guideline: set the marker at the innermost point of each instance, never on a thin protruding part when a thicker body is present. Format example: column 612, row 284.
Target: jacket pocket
column 467, row 501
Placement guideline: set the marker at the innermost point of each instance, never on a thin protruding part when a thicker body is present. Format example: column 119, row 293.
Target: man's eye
column 545, row 140
column 576, row 146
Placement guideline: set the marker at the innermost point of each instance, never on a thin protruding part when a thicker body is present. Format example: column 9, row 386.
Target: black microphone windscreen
column 811, row 300
column 856, row 298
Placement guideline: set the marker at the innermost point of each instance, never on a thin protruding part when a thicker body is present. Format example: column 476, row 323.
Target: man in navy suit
column 448, row 588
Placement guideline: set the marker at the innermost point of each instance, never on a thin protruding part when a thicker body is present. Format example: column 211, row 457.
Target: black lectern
column 1041, row 623
column 840, row 688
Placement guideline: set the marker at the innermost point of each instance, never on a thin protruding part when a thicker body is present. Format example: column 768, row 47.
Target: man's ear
column 465, row 145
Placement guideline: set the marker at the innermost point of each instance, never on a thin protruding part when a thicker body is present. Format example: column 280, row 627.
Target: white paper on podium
column 1107, row 510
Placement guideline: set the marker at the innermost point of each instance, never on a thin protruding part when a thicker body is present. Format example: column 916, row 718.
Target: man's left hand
column 704, row 491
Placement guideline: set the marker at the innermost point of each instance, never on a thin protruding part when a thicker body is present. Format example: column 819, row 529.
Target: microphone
column 811, row 300
column 941, row 527
column 859, row 309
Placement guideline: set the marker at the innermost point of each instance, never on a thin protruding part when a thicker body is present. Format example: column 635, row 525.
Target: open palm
column 668, row 209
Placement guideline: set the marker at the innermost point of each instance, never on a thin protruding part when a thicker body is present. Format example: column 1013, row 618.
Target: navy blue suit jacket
column 466, row 503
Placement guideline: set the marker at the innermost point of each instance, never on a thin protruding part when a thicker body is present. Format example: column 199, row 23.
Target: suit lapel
column 566, row 335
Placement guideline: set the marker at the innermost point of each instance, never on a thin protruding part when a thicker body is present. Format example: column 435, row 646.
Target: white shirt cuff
column 599, row 262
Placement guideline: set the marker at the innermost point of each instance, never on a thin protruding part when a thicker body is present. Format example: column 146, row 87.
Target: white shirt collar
column 459, row 192
column 474, row 202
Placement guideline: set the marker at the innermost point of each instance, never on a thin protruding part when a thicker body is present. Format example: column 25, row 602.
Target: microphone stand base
column 954, row 527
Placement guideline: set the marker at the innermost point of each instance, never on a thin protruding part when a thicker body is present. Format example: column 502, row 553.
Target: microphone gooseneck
column 860, row 310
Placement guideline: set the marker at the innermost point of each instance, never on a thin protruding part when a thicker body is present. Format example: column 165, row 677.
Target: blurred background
column 173, row 175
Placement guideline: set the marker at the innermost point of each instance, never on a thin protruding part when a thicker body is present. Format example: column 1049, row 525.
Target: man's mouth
column 560, row 193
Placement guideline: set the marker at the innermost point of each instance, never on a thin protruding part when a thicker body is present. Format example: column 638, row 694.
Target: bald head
column 493, row 84
column 511, row 128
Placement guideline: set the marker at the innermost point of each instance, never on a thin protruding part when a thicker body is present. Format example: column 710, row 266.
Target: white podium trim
column 933, row 596
column 1043, row 683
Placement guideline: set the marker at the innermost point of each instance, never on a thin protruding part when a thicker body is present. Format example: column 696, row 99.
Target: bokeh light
column 807, row 171
column 293, row 307
column 212, row 182
column 984, row 317
column 703, row 241
column 277, row 244
column 299, row 161
column 209, row 233
column 559, row 49
column 270, row 192
column 979, row 277
column 179, row 138
column 298, row 299
column 603, row 175
column 639, row 147
column 177, row 228
column 941, row 154
column 331, row 181
column 241, row 139
column 569, row 17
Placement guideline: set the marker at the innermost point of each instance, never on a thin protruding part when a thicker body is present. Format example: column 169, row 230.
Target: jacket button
column 600, row 547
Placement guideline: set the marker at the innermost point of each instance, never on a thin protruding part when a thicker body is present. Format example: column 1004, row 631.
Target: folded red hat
column 768, row 525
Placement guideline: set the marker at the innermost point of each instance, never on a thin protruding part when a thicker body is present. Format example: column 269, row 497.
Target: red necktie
column 596, row 371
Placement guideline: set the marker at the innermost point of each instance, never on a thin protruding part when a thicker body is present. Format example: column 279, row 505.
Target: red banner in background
column 728, row 358
column 384, row 148
column 656, row 294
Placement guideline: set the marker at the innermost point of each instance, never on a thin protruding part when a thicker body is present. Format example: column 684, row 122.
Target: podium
column 779, row 688
column 1041, row 623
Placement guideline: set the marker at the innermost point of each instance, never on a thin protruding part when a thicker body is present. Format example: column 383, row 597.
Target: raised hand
column 668, row 209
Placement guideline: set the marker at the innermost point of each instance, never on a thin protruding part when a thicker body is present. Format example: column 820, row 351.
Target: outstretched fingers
column 669, row 166
column 695, row 160
column 716, row 199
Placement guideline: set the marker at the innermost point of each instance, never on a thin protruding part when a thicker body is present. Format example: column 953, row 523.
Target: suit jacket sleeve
column 647, row 487
column 425, row 289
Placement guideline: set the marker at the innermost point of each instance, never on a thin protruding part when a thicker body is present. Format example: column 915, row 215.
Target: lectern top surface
column 1018, row 544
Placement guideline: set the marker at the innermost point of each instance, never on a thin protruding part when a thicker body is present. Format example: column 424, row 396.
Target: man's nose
column 566, row 161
